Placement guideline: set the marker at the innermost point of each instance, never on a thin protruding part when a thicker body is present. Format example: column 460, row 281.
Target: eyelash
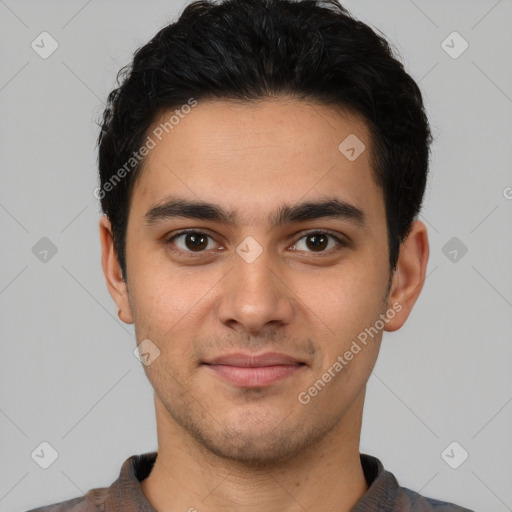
column 194, row 254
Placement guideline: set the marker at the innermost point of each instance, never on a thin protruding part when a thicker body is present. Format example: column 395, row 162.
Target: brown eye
column 192, row 241
column 319, row 242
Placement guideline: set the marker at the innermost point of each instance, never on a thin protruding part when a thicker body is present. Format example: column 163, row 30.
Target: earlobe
column 408, row 279
column 112, row 271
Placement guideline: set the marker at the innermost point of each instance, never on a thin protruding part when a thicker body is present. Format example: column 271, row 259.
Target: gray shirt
column 125, row 494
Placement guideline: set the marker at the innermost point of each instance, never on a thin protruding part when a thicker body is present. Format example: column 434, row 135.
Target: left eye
column 317, row 242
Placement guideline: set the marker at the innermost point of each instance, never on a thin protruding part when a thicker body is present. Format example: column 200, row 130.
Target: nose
column 255, row 296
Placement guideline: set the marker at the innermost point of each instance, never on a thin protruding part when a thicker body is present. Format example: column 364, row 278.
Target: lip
column 249, row 370
column 247, row 360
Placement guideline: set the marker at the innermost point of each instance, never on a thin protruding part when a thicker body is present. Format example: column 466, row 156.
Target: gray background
column 68, row 375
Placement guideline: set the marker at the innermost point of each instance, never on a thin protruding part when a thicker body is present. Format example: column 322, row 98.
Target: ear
column 409, row 276
column 112, row 271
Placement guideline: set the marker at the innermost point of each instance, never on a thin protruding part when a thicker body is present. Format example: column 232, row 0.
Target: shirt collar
column 125, row 494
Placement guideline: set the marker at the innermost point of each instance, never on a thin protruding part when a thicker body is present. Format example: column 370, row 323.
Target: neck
column 324, row 476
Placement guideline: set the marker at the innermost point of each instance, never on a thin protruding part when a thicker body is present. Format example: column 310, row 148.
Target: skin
column 220, row 446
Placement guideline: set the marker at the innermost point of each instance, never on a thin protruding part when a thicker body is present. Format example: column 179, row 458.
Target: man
column 262, row 165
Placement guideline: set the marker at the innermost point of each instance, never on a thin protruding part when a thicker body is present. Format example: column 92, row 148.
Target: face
column 288, row 261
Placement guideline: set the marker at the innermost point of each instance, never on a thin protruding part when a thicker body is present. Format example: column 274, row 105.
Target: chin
column 263, row 445
column 253, row 450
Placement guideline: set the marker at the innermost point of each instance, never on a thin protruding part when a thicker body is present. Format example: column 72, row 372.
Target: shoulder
column 124, row 493
column 385, row 493
column 410, row 500
column 93, row 501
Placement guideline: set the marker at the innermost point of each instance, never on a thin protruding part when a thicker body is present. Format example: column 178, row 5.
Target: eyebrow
column 328, row 208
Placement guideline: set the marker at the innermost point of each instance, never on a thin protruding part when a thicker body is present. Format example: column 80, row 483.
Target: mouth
column 250, row 371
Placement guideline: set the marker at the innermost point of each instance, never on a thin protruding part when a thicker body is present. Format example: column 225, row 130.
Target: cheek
column 162, row 306
column 168, row 301
column 348, row 303
column 349, row 295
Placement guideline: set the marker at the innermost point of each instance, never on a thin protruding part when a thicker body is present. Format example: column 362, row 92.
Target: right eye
column 191, row 241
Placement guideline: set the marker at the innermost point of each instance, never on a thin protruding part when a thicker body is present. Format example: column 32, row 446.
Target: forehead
column 251, row 157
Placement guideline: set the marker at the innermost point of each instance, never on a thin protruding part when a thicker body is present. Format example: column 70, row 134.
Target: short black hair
column 249, row 50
